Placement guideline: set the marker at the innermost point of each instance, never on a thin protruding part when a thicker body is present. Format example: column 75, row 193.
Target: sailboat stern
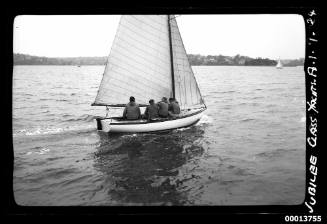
column 99, row 125
column 103, row 124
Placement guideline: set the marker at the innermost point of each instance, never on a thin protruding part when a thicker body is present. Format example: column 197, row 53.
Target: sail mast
column 171, row 58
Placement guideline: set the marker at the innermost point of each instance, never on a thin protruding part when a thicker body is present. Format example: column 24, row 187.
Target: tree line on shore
column 194, row 59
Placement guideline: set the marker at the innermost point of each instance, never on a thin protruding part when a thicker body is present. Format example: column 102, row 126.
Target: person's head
column 164, row 99
column 151, row 101
column 132, row 99
column 171, row 100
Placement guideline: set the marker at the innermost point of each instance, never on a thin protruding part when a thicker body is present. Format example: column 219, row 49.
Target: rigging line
column 185, row 90
column 181, row 78
column 191, row 90
column 105, row 69
column 171, row 57
column 174, row 17
column 181, row 40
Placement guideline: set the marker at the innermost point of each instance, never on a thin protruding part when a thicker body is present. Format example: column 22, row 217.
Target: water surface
column 248, row 149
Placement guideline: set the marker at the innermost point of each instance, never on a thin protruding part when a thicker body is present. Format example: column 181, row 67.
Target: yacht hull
column 117, row 125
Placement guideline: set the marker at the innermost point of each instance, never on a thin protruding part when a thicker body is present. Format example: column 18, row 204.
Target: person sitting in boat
column 132, row 110
column 173, row 108
column 151, row 111
column 163, row 108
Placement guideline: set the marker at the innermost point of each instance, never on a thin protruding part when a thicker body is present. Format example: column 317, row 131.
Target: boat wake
column 205, row 119
column 54, row 130
column 84, row 117
column 183, row 129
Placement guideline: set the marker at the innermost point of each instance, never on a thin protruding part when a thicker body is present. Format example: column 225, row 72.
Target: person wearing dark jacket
column 173, row 107
column 151, row 111
column 132, row 110
column 163, row 108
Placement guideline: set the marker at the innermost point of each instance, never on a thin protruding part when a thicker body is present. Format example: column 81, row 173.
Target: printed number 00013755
column 303, row 218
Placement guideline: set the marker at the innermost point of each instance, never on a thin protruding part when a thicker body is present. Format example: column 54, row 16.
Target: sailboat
column 279, row 64
column 148, row 60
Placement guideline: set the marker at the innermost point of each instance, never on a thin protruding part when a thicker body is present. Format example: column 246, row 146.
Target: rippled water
column 248, row 149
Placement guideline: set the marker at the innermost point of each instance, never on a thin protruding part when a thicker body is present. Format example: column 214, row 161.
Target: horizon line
column 187, row 54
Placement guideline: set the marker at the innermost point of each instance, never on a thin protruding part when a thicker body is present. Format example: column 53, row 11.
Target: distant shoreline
column 195, row 60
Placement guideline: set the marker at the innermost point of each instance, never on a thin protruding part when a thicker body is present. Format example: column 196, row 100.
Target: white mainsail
column 139, row 64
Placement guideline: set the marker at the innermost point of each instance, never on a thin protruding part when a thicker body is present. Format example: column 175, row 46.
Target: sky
column 267, row 36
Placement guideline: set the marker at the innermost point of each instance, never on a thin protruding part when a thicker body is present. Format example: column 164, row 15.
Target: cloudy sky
column 270, row 36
